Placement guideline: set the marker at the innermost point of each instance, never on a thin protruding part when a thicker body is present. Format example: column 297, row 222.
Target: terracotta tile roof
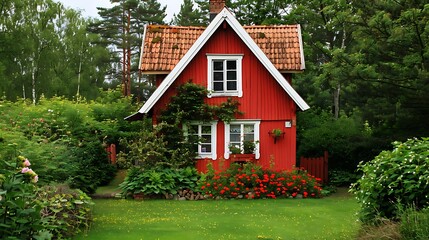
column 164, row 46
column 280, row 43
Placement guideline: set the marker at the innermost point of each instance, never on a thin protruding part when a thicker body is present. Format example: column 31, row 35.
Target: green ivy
column 165, row 145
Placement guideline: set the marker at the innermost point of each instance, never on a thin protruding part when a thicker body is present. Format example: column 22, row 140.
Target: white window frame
column 256, row 134
column 238, row 58
column 213, row 130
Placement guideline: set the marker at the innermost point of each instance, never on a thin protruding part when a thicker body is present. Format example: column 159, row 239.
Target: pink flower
column 26, row 163
column 24, row 170
column 35, row 179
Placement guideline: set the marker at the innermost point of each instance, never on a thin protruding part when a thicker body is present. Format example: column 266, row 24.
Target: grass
column 112, row 188
column 328, row 218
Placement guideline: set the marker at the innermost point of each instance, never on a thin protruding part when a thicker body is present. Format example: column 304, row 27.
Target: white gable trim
column 301, row 47
column 142, row 47
column 224, row 15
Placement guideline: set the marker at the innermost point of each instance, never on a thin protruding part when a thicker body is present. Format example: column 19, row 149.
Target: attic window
column 224, row 75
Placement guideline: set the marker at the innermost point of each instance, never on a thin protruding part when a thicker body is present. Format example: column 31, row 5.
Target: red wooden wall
column 263, row 99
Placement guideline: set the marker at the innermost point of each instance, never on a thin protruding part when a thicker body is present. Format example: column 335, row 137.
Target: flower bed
column 251, row 181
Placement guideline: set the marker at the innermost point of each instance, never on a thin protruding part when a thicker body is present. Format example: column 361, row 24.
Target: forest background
column 366, row 76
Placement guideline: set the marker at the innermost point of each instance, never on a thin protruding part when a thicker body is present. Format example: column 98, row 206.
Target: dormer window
column 224, row 75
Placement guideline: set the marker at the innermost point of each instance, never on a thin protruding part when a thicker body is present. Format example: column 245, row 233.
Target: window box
column 248, row 157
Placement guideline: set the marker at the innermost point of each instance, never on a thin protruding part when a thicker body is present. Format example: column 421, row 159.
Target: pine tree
column 121, row 28
column 189, row 15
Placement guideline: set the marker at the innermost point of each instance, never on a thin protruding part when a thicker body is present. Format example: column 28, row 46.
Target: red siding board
column 263, row 99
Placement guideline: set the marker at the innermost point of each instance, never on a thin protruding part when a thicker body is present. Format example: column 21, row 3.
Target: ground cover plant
column 327, row 218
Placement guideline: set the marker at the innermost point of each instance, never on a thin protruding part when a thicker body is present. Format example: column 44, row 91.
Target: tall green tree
column 42, row 46
column 390, row 61
column 121, row 28
column 326, row 28
column 257, row 12
column 191, row 14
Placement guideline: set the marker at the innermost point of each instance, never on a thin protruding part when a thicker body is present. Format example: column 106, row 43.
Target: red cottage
column 252, row 64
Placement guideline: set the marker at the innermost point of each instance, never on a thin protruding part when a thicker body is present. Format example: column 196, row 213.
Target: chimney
column 215, row 7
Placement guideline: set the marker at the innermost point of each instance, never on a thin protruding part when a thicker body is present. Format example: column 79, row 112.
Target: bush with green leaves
column 67, row 211
column 397, row 177
column 348, row 140
column 30, row 212
column 342, row 178
column 158, row 182
column 19, row 208
column 67, row 138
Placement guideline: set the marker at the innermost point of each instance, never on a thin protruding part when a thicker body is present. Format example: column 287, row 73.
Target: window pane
column 206, row 139
column 218, row 65
column 249, row 129
column 249, row 137
column 231, row 75
column 231, row 64
column 206, row 148
column 218, row 86
column 231, row 85
column 234, row 137
column 235, row 128
column 218, row 76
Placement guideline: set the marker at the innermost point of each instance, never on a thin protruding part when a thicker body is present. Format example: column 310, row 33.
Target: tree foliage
column 189, row 15
column 55, row 58
column 121, row 28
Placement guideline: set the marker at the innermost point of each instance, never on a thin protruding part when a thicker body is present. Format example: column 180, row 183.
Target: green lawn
column 328, row 218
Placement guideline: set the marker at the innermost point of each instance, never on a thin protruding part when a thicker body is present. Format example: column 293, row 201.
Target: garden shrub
column 67, row 211
column 19, row 209
column 67, row 138
column 348, row 140
column 157, row 182
column 397, row 177
column 29, row 212
column 342, row 178
column 251, row 181
column 92, row 167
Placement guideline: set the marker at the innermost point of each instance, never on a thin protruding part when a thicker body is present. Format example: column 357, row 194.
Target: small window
column 224, row 75
column 237, row 132
column 206, row 135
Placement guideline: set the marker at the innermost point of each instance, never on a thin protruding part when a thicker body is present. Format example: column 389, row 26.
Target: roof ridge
column 153, row 26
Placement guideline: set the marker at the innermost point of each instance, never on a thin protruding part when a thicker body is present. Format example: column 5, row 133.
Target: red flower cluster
column 254, row 182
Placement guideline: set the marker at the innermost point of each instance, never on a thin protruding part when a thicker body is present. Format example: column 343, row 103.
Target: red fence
column 111, row 153
column 317, row 166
